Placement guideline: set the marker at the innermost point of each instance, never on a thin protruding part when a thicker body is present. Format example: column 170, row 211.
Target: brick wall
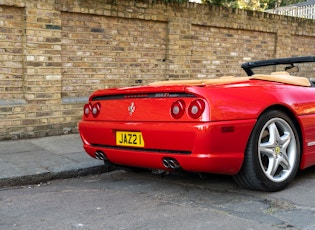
column 54, row 53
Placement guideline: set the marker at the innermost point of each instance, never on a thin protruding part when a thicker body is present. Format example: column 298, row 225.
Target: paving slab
column 42, row 159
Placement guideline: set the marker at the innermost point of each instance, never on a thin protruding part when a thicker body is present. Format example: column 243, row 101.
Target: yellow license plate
column 124, row 138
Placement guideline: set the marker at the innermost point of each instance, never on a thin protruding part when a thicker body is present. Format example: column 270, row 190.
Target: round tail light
column 96, row 109
column 87, row 109
column 178, row 109
column 196, row 108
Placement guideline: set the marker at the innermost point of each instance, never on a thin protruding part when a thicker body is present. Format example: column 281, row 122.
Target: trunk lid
column 140, row 104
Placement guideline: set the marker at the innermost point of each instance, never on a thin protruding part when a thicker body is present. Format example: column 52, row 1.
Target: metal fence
column 300, row 10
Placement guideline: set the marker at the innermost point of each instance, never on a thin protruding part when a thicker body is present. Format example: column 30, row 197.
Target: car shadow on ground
column 207, row 180
column 306, row 173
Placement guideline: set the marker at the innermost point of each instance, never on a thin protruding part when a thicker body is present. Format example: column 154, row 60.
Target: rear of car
column 164, row 127
column 259, row 128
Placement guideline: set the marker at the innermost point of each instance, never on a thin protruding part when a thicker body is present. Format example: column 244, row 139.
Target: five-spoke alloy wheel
column 272, row 156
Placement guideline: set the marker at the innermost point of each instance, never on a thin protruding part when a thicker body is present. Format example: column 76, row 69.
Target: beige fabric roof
column 222, row 80
column 292, row 80
column 282, row 77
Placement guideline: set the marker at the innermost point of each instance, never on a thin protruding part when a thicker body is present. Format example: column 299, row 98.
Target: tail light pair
column 95, row 109
column 195, row 108
column 178, row 108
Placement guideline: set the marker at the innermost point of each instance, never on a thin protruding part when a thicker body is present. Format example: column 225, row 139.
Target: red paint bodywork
column 214, row 143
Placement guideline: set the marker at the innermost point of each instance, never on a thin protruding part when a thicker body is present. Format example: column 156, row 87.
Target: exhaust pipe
column 109, row 166
column 174, row 164
column 170, row 163
column 100, row 155
column 166, row 163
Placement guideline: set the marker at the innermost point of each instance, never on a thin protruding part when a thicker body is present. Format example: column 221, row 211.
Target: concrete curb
column 43, row 177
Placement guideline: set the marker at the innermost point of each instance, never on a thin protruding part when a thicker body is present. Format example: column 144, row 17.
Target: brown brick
column 66, row 49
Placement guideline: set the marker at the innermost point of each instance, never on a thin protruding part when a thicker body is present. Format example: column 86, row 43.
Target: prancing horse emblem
column 131, row 108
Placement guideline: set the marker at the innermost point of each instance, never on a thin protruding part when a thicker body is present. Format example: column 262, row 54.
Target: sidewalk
column 39, row 160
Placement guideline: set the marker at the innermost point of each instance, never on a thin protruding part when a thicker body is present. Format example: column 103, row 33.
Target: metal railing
column 307, row 11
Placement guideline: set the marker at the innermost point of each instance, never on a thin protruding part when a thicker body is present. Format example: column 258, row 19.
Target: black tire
column 272, row 155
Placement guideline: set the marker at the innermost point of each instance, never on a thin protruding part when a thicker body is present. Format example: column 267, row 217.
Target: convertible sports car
column 259, row 128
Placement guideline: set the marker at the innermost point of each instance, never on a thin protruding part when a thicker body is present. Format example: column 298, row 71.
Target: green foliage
column 240, row 4
column 175, row 1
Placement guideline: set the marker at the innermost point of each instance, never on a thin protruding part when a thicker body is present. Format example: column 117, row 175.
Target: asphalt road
column 124, row 200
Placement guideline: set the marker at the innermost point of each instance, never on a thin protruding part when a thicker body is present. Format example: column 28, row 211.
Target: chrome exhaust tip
column 170, row 163
column 174, row 164
column 166, row 163
column 100, row 155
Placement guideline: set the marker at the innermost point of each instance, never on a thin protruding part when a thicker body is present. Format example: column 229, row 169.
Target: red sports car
column 259, row 128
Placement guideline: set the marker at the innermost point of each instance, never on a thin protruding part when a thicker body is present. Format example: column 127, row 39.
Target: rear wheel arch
column 292, row 116
column 261, row 169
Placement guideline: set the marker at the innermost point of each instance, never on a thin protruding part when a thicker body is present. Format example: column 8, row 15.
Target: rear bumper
column 213, row 147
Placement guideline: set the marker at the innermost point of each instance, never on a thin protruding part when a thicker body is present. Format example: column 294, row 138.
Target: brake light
column 178, row 109
column 196, row 108
column 87, row 109
column 95, row 109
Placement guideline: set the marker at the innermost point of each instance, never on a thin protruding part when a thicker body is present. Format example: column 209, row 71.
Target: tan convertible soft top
column 283, row 77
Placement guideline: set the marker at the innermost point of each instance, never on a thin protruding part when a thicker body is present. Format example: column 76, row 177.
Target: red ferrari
column 259, row 128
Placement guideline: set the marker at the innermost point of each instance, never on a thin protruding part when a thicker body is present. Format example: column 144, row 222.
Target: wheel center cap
column 277, row 150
